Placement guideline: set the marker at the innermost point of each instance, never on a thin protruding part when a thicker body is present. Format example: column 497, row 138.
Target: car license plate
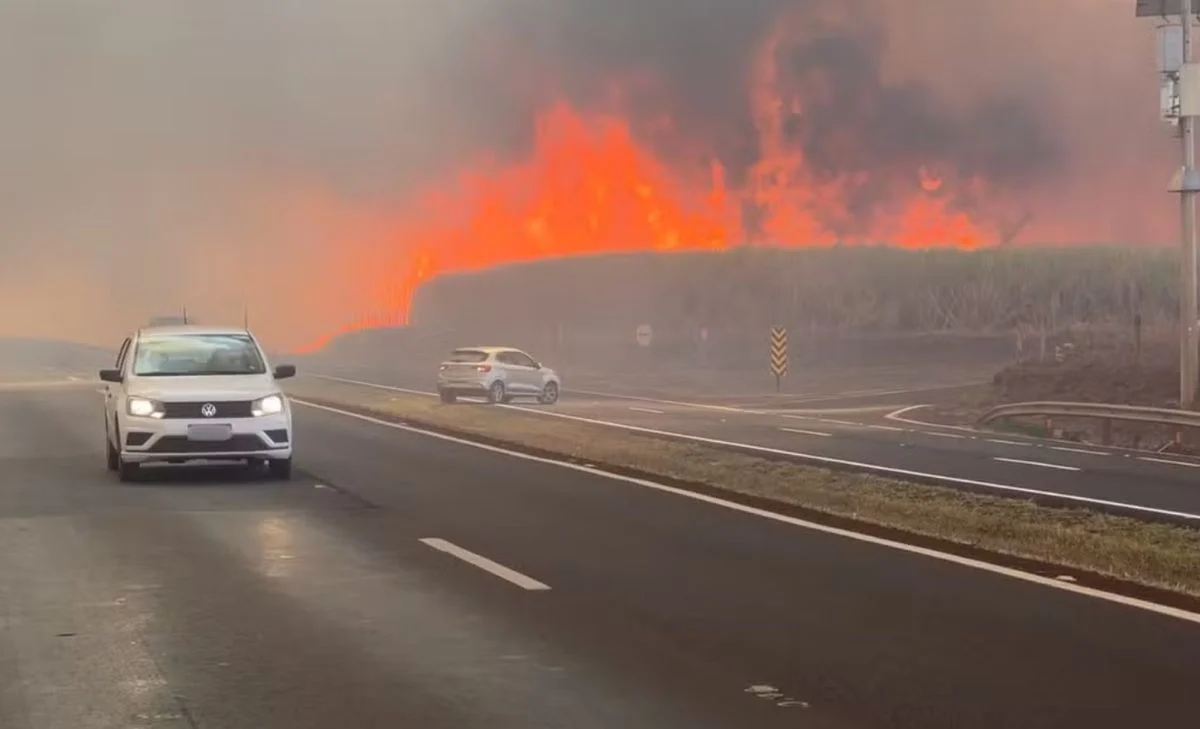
column 210, row 433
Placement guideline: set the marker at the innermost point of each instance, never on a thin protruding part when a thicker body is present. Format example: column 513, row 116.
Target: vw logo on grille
column 208, row 410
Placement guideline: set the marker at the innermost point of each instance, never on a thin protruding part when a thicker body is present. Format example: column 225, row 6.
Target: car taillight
column 484, row 368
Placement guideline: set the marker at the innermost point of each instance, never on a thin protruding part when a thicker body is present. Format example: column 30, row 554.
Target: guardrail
column 1100, row 411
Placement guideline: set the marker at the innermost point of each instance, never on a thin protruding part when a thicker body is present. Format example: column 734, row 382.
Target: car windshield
column 467, row 355
column 165, row 355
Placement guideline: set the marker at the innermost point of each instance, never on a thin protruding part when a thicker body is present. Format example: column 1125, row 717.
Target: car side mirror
column 110, row 376
column 282, row 372
column 537, row 365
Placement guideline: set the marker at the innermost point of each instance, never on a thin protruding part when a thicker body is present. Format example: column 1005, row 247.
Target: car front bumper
column 149, row 440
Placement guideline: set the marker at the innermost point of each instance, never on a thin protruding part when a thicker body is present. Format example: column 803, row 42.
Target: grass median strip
column 1156, row 555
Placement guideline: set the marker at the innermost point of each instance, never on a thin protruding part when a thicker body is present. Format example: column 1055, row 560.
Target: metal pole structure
column 1189, row 343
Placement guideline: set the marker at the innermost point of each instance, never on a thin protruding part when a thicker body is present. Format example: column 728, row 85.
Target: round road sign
column 644, row 335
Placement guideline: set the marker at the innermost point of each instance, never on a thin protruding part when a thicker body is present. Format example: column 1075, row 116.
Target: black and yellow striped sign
column 779, row 353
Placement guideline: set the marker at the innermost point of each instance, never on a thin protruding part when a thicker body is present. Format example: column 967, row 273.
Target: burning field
column 550, row 130
column 832, row 147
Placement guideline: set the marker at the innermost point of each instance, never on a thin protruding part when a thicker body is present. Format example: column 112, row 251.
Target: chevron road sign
column 779, row 355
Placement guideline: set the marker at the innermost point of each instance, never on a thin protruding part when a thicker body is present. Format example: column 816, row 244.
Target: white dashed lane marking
column 1078, row 450
column 806, row 432
column 485, row 564
column 1057, row 466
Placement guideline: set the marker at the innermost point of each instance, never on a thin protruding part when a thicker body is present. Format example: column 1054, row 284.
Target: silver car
column 497, row 373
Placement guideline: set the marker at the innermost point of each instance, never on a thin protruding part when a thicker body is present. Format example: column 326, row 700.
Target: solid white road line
column 898, row 416
column 1007, row 442
column 485, row 564
column 806, row 432
column 646, row 410
column 1057, row 466
column 943, row 435
column 975, row 564
column 1078, row 450
column 891, row 428
column 1169, row 461
column 375, row 385
column 662, row 401
column 793, row 397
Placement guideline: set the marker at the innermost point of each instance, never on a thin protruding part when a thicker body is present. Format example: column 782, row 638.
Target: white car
column 196, row 393
column 497, row 373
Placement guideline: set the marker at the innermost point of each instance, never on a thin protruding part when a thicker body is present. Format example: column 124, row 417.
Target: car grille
column 180, row 444
column 191, row 410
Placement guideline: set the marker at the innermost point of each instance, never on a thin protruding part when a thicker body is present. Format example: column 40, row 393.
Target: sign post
column 1180, row 105
column 779, row 355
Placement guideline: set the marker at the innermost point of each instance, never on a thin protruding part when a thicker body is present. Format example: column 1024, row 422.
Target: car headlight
column 269, row 405
column 140, row 407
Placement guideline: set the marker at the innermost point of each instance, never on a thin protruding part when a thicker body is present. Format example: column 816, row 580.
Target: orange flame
column 589, row 187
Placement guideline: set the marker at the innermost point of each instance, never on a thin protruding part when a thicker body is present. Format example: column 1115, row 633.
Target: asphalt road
column 208, row 599
column 880, row 430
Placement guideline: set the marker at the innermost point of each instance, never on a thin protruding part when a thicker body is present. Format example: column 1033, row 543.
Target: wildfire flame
column 589, row 186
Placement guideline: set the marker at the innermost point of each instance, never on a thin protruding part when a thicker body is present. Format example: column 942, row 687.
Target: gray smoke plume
column 224, row 155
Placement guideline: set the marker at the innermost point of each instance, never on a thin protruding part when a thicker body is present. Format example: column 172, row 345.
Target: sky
column 257, row 158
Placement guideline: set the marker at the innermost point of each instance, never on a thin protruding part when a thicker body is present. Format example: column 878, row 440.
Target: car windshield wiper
column 206, row 373
column 232, row 372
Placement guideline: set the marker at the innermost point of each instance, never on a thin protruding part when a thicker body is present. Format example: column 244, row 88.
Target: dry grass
column 1157, row 555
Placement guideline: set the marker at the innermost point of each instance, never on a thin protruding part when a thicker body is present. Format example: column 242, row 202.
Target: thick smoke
column 163, row 153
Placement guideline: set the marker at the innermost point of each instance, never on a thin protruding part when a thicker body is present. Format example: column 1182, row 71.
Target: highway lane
column 1073, row 470
column 881, row 381
column 863, row 636
column 1003, row 464
column 206, row 599
column 808, row 385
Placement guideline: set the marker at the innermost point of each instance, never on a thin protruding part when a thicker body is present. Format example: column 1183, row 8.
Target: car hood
column 206, row 387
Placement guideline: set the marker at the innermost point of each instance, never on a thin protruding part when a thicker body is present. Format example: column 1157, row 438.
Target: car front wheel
column 127, row 471
column 280, row 468
column 549, row 394
column 496, row 392
column 113, row 457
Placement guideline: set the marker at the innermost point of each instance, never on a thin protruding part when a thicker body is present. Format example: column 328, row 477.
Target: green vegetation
column 845, row 289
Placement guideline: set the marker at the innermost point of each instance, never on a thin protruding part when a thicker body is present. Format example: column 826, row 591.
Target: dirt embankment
column 1110, row 373
column 1089, row 379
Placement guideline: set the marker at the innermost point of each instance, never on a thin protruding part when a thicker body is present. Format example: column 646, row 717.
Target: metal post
column 1189, row 343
